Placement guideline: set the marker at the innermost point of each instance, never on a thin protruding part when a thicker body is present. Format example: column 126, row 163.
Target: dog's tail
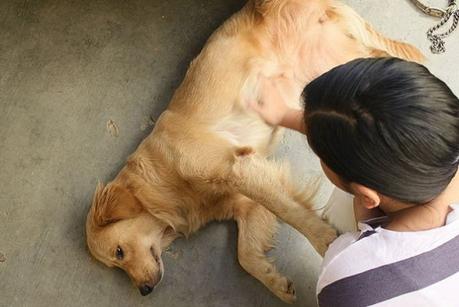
column 378, row 44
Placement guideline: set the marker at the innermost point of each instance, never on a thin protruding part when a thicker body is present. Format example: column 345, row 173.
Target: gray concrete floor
column 66, row 68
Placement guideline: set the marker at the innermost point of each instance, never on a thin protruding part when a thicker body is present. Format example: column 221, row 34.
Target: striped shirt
column 379, row 267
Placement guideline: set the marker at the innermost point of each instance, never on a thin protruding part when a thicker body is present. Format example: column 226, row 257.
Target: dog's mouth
column 159, row 261
column 161, row 270
column 148, row 287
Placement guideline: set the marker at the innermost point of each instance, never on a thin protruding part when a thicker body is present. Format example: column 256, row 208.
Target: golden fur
column 197, row 165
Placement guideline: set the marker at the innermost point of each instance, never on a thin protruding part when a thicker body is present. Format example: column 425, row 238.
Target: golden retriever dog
column 206, row 158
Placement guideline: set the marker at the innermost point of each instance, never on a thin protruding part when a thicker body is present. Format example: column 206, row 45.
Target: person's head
column 384, row 126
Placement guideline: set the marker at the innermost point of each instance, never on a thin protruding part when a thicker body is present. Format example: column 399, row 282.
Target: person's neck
column 409, row 217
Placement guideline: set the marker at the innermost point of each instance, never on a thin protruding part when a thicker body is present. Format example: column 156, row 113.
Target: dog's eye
column 119, row 253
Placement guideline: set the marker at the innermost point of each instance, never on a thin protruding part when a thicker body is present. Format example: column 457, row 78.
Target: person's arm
column 293, row 119
column 274, row 110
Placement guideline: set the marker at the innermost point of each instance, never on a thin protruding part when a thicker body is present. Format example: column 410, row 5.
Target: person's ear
column 369, row 198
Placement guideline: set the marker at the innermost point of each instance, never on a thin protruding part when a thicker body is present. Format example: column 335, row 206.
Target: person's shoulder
column 338, row 259
column 346, row 244
column 357, row 252
column 343, row 242
column 385, row 266
column 353, row 253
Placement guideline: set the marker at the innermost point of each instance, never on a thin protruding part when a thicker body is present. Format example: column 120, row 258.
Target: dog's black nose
column 145, row 289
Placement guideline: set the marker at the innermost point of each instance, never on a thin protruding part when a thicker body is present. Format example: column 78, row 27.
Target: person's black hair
column 387, row 124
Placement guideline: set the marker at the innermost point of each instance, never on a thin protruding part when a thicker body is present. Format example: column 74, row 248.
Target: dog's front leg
column 269, row 184
column 196, row 153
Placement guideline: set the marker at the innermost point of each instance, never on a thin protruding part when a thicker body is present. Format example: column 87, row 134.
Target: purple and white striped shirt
column 379, row 267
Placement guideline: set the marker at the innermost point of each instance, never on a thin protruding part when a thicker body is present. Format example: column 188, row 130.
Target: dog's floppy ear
column 113, row 203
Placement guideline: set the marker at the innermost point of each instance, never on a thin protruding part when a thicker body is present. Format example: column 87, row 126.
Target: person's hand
column 271, row 105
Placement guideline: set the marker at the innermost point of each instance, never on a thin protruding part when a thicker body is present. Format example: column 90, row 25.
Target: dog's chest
column 243, row 130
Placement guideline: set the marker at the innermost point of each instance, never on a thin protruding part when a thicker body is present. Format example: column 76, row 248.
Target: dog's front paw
column 285, row 290
column 325, row 237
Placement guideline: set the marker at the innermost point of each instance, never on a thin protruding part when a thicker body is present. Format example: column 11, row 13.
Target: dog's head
column 121, row 233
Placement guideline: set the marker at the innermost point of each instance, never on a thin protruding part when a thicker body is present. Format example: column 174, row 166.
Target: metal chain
column 438, row 44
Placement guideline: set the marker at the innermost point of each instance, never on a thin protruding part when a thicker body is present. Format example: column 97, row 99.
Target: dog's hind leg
column 365, row 34
column 257, row 227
